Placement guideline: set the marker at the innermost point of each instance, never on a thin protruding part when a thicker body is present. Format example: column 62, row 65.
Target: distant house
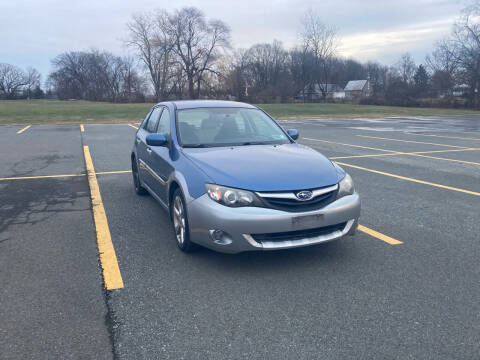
column 314, row 92
column 460, row 90
column 357, row 89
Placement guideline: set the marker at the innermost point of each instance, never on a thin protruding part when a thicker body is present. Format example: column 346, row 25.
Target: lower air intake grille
column 299, row 234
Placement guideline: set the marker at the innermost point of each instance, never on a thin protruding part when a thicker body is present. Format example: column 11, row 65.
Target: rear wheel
column 180, row 223
column 139, row 189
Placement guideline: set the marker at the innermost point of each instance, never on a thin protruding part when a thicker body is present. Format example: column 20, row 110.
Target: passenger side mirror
column 156, row 140
column 293, row 133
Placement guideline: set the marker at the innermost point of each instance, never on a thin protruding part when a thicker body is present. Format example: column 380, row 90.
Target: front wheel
column 180, row 223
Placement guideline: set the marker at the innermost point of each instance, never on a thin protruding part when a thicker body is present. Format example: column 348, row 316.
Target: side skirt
column 156, row 197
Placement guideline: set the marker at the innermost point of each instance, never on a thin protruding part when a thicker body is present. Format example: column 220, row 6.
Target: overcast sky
column 32, row 32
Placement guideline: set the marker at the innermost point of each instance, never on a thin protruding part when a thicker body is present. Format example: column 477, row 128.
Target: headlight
column 345, row 187
column 231, row 197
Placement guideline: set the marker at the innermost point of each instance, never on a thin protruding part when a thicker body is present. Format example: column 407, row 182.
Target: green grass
column 69, row 112
column 76, row 112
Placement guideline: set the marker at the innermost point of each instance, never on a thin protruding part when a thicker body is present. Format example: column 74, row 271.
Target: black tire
column 181, row 229
column 139, row 189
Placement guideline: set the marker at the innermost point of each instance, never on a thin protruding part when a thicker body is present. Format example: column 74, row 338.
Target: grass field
column 76, row 112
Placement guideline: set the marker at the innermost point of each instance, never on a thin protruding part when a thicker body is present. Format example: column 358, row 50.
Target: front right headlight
column 230, row 196
column 345, row 186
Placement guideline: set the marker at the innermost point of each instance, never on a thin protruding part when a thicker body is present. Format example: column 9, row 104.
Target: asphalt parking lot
column 405, row 287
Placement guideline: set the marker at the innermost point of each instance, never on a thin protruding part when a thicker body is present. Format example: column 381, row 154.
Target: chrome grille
column 287, row 201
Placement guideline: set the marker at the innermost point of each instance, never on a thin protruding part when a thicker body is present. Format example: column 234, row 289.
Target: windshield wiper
column 272, row 142
column 195, row 146
column 254, row 143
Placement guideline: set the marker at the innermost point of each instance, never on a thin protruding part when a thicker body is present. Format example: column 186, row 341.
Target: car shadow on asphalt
column 276, row 260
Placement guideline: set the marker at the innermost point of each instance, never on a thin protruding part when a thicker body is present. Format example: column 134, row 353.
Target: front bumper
column 238, row 224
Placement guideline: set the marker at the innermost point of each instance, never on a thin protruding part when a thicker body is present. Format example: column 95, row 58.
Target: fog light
column 217, row 234
column 220, row 237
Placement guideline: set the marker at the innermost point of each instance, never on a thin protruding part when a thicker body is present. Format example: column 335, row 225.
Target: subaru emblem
column 304, row 195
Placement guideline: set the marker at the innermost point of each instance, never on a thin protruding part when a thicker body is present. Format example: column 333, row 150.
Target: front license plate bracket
column 306, row 220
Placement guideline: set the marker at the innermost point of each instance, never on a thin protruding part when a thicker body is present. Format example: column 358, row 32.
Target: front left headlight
column 230, row 196
column 345, row 186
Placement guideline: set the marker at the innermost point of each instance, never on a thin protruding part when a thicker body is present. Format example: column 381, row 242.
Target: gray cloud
column 33, row 32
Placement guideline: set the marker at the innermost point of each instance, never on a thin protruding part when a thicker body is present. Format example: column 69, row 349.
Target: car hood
column 265, row 167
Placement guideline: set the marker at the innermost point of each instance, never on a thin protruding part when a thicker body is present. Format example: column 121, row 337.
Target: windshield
column 205, row 127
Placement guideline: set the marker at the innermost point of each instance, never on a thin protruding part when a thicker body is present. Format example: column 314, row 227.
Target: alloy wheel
column 179, row 220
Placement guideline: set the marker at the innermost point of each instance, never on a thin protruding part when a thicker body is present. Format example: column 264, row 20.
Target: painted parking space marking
column 411, row 141
column 133, row 126
column 410, row 179
column 24, row 129
column 113, row 172
column 397, row 153
column 351, row 145
column 362, row 156
column 445, row 159
column 63, row 175
column 418, row 154
column 108, row 259
column 82, row 129
column 443, row 136
column 378, row 235
column 405, row 153
column 39, row 177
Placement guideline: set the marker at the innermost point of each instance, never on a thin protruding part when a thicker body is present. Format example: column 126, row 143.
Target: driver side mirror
column 156, row 140
column 293, row 133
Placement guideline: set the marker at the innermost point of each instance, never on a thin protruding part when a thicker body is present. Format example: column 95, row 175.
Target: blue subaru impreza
column 234, row 180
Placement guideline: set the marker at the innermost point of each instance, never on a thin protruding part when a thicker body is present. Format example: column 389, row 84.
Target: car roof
column 192, row 104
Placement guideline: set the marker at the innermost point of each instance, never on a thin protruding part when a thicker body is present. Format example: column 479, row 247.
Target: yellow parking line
column 114, row 172
column 39, row 177
column 444, row 151
column 351, row 145
column 411, row 179
column 108, row 259
column 443, row 136
column 24, row 129
column 379, row 236
column 363, row 156
column 403, row 153
column 418, row 153
column 445, row 159
column 133, row 126
column 62, row 175
column 82, row 129
column 411, row 141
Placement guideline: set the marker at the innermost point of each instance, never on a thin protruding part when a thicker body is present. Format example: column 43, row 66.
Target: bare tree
column 301, row 68
column 133, row 84
column 197, row 44
column 148, row 36
column 377, row 75
column 33, row 78
column 465, row 47
column 95, row 75
column 406, row 68
column 322, row 41
column 12, row 81
column 442, row 58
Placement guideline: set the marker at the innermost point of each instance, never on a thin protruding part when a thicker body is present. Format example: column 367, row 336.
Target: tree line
column 17, row 83
column 184, row 55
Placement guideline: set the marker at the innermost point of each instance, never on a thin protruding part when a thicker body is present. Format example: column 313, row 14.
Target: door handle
column 149, row 151
column 137, row 140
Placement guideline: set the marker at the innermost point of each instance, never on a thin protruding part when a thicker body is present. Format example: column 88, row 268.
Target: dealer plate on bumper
column 299, row 222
